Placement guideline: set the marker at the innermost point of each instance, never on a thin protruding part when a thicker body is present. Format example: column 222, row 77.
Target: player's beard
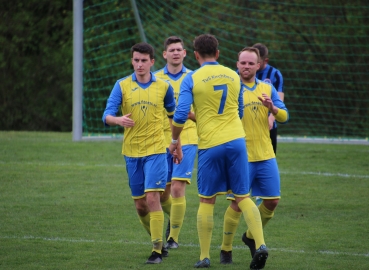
column 247, row 77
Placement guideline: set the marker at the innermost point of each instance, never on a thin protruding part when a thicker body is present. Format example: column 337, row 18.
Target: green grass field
column 67, row 205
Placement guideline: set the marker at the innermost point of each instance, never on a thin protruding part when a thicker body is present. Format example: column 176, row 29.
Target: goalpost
column 321, row 50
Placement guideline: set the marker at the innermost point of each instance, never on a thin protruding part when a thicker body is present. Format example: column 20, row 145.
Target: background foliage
column 36, row 65
column 321, row 49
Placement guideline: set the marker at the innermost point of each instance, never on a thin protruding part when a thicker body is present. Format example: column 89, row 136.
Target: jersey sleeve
column 169, row 101
column 113, row 103
column 282, row 116
column 240, row 102
column 185, row 100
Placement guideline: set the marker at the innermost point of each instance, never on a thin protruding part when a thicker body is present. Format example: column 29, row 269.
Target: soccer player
column 179, row 174
column 260, row 99
column 270, row 74
column 142, row 98
column 214, row 91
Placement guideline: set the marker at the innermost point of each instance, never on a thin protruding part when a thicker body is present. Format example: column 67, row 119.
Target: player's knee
column 178, row 188
column 270, row 204
column 141, row 208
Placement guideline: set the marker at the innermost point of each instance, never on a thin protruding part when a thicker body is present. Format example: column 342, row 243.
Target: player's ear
column 184, row 52
column 217, row 54
column 165, row 54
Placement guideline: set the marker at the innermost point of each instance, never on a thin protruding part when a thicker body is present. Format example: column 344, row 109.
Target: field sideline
column 67, row 205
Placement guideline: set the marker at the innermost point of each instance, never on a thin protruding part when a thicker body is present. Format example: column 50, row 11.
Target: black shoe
column 205, row 263
column 167, row 232
column 225, row 257
column 164, row 252
column 154, row 258
column 260, row 257
column 250, row 243
column 171, row 243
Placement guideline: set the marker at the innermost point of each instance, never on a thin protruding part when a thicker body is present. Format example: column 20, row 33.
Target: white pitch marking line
column 195, row 169
column 61, row 239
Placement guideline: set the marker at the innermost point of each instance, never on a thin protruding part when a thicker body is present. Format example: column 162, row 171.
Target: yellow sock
column 145, row 221
column 231, row 221
column 157, row 225
column 265, row 215
column 167, row 205
column 251, row 215
column 177, row 215
column 205, row 224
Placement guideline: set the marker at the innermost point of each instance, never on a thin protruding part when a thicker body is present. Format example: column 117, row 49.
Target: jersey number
column 224, row 88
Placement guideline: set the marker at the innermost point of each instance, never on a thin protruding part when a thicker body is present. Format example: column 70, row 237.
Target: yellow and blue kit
column 144, row 147
column 146, row 103
column 255, row 119
column 215, row 93
column 189, row 139
column 189, row 132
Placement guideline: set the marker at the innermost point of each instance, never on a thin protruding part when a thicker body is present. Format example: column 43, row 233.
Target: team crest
column 144, row 109
column 254, row 109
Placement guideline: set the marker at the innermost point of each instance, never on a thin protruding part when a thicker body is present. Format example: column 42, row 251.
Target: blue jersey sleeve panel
column 185, row 100
column 282, row 116
column 114, row 102
column 169, row 101
column 240, row 102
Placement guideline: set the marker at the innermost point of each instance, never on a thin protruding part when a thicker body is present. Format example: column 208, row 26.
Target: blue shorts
column 265, row 180
column 183, row 170
column 146, row 174
column 223, row 169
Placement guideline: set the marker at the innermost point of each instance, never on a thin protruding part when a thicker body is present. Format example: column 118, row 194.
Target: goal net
column 320, row 47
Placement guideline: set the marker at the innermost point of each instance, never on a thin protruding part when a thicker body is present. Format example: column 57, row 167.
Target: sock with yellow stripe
column 231, row 221
column 251, row 215
column 167, row 205
column 205, row 224
column 156, row 226
column 145, row 221
column 177, row 215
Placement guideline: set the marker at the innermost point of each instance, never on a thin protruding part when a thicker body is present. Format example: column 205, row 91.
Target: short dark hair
column 171, row 40
column 144, row 48
column 206, row 45
column 250, row 49
column 263, row 50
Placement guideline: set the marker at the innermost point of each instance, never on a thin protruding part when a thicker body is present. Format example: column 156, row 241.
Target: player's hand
column 267, row 102
column 191, row 116
column 126, row 121
column 176, row 151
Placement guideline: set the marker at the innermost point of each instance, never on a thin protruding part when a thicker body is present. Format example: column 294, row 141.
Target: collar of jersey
column 144, row 85
column 252, row 88
column 174, row 77
column 153, row 78
column 210, row 63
